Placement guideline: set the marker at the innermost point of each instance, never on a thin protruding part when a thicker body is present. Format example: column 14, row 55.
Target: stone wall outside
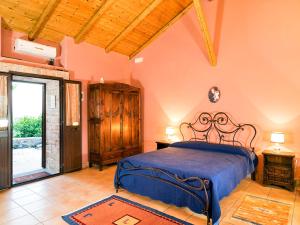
column 28, row 142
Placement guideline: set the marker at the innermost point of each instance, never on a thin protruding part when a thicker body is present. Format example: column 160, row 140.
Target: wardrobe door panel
column 127, row 127
column 131, row 123
column 135, row 105
column 116, row 123
column 105, row 126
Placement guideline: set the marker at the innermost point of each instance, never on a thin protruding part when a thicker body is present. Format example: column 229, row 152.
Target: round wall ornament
column 214, row 94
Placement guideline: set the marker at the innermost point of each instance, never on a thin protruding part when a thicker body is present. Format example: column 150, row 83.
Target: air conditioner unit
column 34, row 49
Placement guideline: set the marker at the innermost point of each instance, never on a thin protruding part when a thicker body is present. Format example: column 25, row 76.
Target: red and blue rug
column 116, row 210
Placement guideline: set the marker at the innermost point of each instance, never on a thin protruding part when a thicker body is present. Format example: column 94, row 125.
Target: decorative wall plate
column 214, row 94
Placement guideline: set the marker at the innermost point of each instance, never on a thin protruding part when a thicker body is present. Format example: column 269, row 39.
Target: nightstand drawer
column 278, row 159
column 283, row 172
column 278, row 180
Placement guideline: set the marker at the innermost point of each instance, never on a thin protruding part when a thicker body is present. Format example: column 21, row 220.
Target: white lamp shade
column 170, row 130
column 277, row 137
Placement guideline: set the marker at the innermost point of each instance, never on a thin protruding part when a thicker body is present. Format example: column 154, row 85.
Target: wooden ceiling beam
column 39, row 26
column 206, row 36
column 133, row 24
column 172, row 21
column 91, row 22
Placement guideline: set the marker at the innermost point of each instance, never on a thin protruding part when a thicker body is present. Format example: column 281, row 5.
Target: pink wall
column 7, row 45
column 258, row 69
column 85, row 62
column 88, row 64
column 0, row 35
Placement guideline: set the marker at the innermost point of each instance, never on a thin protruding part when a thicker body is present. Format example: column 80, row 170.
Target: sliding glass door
column 5, row 132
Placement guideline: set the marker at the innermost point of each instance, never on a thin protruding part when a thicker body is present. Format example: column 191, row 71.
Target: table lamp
column 170, row 131
column 277, row 138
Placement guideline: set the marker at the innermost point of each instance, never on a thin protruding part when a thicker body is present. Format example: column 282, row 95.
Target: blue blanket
column 223, row 165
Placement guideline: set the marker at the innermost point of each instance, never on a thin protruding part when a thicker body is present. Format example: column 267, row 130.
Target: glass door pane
column 3, row 103
column 72, row 104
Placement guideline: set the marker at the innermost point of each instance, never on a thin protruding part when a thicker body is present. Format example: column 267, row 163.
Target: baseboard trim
column 85, row 165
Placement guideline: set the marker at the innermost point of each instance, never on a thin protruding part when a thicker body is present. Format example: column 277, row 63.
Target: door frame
column 44, row 130
column 9, row 130
column 60, row 80
column 61, row 104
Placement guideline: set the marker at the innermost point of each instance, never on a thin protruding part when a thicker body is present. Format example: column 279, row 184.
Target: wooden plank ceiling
column 123, row 26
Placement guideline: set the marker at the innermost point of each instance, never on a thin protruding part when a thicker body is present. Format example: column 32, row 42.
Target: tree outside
column 28, row 126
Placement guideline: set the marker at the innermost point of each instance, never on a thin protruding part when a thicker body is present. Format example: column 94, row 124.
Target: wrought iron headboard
column 219, row 128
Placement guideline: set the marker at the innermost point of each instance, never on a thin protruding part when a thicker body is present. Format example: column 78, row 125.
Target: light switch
column 52, row 101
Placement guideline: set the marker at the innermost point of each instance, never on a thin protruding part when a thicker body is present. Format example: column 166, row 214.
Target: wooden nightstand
column 163, row 144
column 279, row 168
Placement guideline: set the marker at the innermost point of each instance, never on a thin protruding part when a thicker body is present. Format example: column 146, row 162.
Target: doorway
column 28, row 145
column 57, row 137
column 35, row 128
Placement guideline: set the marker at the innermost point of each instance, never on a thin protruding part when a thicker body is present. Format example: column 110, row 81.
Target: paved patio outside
column 26, row 160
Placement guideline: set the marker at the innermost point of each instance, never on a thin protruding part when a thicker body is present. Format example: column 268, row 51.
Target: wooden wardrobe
column 114, row 122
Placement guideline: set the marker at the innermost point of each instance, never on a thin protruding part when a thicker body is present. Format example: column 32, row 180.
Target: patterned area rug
column 30, row 177
column 120, row 211
column 261, row 211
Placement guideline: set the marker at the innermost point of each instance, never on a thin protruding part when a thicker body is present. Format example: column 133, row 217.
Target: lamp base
column 277, row 147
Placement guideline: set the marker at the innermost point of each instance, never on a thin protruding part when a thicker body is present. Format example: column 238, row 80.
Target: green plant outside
column 28, row 127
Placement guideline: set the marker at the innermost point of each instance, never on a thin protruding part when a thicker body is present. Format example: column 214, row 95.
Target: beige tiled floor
column 44, row 202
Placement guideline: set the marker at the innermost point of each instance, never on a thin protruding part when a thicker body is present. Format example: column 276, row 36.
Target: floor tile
column 258, row 189
column 48, row 213
column 44, row 202
column 21, row 194
column 55, row 221
column 7, row 205
column 196, row 220
column 226, row 223
column 296, row 215
column 36, row 205
column 282, row 195
column 11, row 215
column 158, row 205
column 24, row 220
column 28, row 199
column 140, row 199
column 180, row 213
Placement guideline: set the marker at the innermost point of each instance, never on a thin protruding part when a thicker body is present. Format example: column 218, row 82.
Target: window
column 72, row 104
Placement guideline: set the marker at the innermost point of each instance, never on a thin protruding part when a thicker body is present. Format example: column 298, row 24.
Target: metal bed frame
column 217, row 127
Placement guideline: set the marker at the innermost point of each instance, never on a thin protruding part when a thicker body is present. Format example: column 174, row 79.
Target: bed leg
column 253, row 175
column 207, row 218
column 117, row 186
column 208, row 221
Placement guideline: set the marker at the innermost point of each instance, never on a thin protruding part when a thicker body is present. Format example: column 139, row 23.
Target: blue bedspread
column 223, row 165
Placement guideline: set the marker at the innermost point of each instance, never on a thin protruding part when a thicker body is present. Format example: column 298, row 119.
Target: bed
column 196, row 173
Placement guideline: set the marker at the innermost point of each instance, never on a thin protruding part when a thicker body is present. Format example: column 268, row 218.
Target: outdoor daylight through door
column 28, row 133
